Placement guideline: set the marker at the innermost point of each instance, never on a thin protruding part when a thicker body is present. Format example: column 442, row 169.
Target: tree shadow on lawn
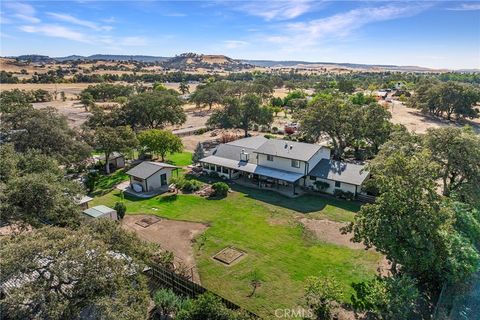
column 302, row 204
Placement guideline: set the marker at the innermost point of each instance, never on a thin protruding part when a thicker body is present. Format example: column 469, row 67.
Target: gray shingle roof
column 147, row 169
column 229, row 151
column 250, row 142
column 340, row 171
column 289, row 149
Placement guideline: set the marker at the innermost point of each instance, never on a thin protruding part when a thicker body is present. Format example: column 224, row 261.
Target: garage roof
column 147, row 169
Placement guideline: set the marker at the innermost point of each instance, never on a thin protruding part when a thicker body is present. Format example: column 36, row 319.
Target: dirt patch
column 417, row 122
column 174, row 236
column 329, row 231
column 148, row 221
column 229, row 255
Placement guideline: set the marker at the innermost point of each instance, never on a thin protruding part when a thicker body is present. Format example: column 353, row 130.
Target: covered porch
column 252, row 175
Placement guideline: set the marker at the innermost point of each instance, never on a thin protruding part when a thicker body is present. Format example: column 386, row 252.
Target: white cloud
column 84, row 23
column 275, row 10
column 22, row 11
column 466, row 7
column 235, row 44
column 341, row 25
column 56, row 31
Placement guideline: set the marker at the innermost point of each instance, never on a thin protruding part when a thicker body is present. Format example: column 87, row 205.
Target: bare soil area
column 174, row 236
column 73, row 110
column 329, row 231
column 417, row 122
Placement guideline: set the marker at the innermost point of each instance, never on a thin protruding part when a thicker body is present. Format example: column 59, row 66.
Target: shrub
column 274, row 129
column 255, row 127
column 269, row 136
column 322, row 185
column 167, row 302
column 121, row 209
column 208, row 306
column 186, row 185
column 220, row 188
column 213, row 174
column 344, row 194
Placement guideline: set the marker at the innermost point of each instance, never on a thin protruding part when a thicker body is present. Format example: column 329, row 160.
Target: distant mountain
column 206, row 61
column 186, row 61
column 113, row 57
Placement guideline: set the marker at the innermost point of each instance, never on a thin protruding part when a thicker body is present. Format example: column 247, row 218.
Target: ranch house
column 284, row 166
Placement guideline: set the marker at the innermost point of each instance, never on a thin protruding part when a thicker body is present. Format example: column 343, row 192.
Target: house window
column 338, row 184
column 219, row 169
column 313, row 178
column 225, row 170
column 269, row 157
column 295, row 163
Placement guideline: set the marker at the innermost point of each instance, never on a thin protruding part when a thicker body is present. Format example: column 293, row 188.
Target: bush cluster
column 187, row 185
column 220, row 188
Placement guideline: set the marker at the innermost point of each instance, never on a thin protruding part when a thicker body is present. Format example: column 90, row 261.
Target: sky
column 437, row 34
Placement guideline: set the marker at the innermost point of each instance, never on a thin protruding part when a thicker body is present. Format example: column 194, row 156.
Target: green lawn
column 107, row 182
column 263, row 224
column 180, row 159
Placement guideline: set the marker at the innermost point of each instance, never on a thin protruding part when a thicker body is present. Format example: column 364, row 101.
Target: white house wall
column 280, row 163
column 154, row 183
column 343, row 185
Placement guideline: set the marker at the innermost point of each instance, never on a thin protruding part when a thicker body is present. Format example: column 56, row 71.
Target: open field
column 264, row 225
column 417, row 122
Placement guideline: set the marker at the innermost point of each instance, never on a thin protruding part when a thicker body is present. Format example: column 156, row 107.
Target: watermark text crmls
column 293, row 313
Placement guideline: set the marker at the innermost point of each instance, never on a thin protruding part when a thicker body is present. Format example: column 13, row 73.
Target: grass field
column 263, row 224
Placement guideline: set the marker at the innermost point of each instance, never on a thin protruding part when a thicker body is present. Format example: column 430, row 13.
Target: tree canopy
column 60, row 273
column 154, row 110
column 111, row 139
column 160, row 142
column 345, row 124
column 413, row 225
column 34, row 190
column 446, row 99
column 241, row 113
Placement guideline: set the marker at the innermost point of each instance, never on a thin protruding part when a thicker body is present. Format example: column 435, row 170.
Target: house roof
column 289, row 149
column 253, row 168
column 83, row 199
column 229, row 151
column 147, row 169
column 340, row 171
column 114, row 155
column 97, row 211
column 250, row 142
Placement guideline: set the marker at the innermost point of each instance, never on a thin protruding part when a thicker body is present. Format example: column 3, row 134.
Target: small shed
column 100, row 211
column 83, row 202
column 150, row 176
column 115, row 161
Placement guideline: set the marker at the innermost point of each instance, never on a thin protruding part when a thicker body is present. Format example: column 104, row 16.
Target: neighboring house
column 115, row 161
column 283, row 165
column 101, row 211
column 150, row 176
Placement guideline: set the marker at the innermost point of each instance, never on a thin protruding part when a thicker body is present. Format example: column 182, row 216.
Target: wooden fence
column 162, row 277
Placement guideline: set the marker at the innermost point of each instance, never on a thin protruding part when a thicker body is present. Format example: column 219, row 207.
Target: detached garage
column 150, row 176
